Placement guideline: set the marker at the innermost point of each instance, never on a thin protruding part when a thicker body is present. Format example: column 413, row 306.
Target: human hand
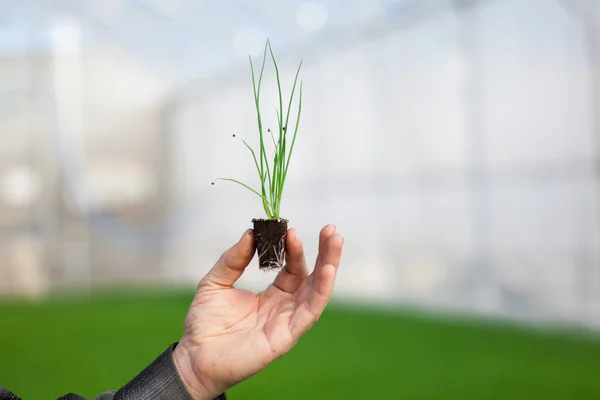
column 231, row 334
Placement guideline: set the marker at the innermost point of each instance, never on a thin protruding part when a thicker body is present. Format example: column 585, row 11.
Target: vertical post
column 68, row 91
column 591, row 26
column 475, row 141
column 587, row 13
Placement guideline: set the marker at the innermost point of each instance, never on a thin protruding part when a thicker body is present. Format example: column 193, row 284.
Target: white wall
column 384, row 151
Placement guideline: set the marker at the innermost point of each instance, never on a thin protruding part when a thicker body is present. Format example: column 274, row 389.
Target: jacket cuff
column 5, row 394
column 160, row 380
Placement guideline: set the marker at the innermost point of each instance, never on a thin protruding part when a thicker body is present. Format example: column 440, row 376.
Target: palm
column 245, row 331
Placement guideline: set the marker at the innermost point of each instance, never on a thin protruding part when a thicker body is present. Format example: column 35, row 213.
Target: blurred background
column 454, row 143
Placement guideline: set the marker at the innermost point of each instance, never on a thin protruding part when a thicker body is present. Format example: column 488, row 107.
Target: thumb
column 231, row 264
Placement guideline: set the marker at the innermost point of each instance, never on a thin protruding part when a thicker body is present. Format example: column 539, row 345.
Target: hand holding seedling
column 231, row 334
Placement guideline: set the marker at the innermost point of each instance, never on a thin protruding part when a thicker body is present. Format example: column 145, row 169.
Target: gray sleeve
column 159, row 381
column 5, row 394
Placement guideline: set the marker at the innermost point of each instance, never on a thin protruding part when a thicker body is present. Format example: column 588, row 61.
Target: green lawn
column 72, row 345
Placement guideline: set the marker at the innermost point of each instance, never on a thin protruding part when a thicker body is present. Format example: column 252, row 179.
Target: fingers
column 324, row 235
column 320, row 287
column 330, row 249
column 295, row 271
column 323, row 277
column 310, row 311
column 232, row 263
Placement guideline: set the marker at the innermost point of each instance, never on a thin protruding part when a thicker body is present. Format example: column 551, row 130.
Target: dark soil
column 270, row 242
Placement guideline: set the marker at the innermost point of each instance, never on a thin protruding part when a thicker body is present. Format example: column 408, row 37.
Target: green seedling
column 272, row 173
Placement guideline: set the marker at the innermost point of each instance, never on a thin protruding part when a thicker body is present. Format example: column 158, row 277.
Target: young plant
column 270, row 232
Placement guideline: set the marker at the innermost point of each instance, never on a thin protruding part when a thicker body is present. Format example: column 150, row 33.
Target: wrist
column 182, row 358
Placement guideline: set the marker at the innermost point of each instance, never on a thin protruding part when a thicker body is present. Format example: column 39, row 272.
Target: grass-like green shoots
column 272, row 173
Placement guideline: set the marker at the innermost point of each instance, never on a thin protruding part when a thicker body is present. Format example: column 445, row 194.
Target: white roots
column 278, row 250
